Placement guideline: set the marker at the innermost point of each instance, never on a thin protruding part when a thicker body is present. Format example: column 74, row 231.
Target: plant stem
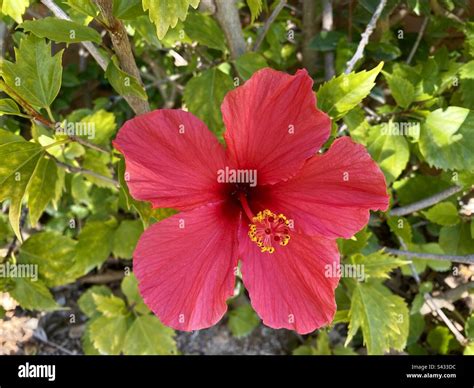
column 424, row 203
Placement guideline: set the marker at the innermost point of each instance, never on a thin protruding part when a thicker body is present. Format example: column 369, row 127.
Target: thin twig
column 365, row 37
column 418, row 40
column 227, row 15
column 432, row 303
column 46, row 341
column 467, row 259
column 267, row 24
column 80, row 170
column 424, row 203
column 59, row 13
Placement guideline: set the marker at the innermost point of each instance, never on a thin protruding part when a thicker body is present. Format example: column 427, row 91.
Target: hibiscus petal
column 332, row 194
column 293, row 287
column 185, row 266
column 171, row 159
column 273, row 124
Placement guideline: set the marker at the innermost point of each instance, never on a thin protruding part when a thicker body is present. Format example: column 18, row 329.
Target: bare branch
column 59, row 13
column 268, row 23
column 467, row 259
column 365, row 37
column 227, row 15
column 424, row 203
column 124, row 52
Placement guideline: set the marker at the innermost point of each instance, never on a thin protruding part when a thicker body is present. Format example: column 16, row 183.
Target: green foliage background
column 66, row 206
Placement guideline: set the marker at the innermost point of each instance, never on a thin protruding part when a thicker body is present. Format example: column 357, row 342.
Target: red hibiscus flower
column 267, row 199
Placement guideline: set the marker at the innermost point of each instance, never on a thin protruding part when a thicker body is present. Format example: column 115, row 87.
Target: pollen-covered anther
column 269, row 230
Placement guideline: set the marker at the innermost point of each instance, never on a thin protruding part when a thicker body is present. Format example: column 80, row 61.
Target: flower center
column 269, row 229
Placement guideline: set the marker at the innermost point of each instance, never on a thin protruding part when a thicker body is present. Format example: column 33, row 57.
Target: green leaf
column 339, row 95
column 110, row 305
column 377, row 264
column 457, row 239
column 36, row 75
column 126, row 237
column 391, row 152
column 148, row 336
column 87, row 345
column 9, row 107
column 33, row 295
column 469, row 349
column 401, row 227
column 417, row 327
column 108, row 334
column 326, row 41
column 444, row 213
column 242, row 320
column 204, row 94
column 129, row 288
column 441, row 340
column 166, row 13
column 421, row 264
column 402, row 90
column 249, row 63
column 466, row 71
column 469, row 327
column 42, row 188
column 255, row 7
column 382, row 316
column 19, row 161
column 94, row 246
column 14, row 8
column 348, row 247
column 99, row 126
column 97, row 162
column 87, row 301
column 60, row 30
column 205, row 30
column 86, row 7
column 124, row 83
column 54, row 255
column 127, row 9
column 447, row 138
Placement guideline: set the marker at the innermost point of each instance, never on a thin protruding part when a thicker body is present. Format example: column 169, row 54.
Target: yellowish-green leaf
column 382, row 317
column 148, row 336
column 42, row 188
column 36, row 75
column 19, row 161
column 444, row 213
column 339, row 95
column 166, row 13
column 33, row 295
